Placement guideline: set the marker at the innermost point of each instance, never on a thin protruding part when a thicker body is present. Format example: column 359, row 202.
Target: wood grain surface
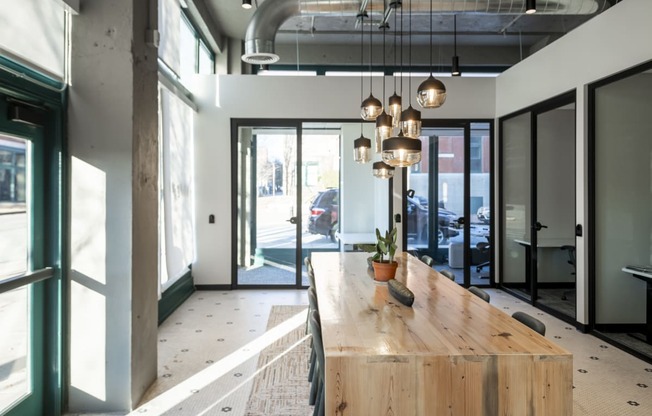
column 451, row 353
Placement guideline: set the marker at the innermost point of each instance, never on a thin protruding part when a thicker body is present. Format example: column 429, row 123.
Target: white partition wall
column 222, row 98
column 595, row 50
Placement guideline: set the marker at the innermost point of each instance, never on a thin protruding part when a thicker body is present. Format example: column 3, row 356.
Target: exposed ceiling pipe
column 268, row 18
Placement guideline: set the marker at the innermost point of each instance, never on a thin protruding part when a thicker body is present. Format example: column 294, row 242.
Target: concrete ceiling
column 483, row 39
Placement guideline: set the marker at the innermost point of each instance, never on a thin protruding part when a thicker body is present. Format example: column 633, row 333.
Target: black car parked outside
column 324, row 211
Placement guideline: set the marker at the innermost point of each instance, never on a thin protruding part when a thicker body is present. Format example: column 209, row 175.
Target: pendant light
column 530, row 6
column 246, row 4
column 410, row 118
column 394, row 105
column 455, row 67
column 361, row 148
column 401, row 151
column 370, row 108
column 383, row 170
column 361, row 145
column 431, row 92
column 384, row 120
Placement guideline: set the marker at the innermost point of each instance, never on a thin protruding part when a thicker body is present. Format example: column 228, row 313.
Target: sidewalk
column 12, row 207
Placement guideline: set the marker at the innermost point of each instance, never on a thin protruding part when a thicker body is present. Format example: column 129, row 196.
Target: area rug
column 281, row 386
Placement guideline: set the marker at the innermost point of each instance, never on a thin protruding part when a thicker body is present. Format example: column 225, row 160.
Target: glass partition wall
column 451, row 189
column 621, row 194
column 538, row 205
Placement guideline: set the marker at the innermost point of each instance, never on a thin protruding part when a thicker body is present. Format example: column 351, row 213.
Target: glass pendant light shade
column 383, row 129
column 383, row 170
column 362, row 149
column 431, row 93
column 411, row 122
column 401, row 151
column 371, row 108
column 394, row 109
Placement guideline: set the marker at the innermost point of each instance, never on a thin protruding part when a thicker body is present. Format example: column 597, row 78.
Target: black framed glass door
column 538, row 204
column 451, row 188
column 288, row 199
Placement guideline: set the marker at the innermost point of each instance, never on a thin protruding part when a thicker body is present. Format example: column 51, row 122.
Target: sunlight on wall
column 88, row 221
column 88, row 263
column 88, row 335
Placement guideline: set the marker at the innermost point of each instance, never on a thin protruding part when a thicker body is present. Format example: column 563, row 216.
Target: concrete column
column 113, row 147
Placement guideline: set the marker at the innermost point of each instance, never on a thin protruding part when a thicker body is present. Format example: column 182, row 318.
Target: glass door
column 516, row 204
column 451, row 188
column 24, row 345
column 538, row 204
column 288, row 195
column 269, row 218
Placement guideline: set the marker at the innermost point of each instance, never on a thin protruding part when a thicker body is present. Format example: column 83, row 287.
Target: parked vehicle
column 417, row 221
column 324, row 212
column 484, row 215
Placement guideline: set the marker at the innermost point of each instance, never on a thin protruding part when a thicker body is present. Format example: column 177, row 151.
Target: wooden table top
column 360, row 317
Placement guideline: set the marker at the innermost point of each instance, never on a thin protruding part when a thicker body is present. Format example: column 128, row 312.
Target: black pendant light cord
column 384, row 27
column 394, row 77
column 430, row 36
column 410, row 57
column 454, row 34
column 361, row 17
column 402, row 50
column 371, row 48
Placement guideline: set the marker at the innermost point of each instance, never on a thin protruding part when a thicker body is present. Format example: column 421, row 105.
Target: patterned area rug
column 281, row 387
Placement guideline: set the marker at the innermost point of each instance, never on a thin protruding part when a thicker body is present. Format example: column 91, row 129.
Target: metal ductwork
column 271, row 14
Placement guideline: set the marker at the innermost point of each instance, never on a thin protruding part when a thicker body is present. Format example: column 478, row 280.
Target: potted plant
column 383, row 261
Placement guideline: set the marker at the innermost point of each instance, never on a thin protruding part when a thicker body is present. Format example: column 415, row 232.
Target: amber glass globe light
column 362, row 149
column 383, row 129
column 383, row 170
column 411, row 122
column 401, row 151
column 394, row 109
column 431, row 93
column 371, row 108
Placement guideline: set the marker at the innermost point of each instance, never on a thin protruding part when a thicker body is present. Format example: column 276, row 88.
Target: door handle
column 292, row 220
column 538, row 226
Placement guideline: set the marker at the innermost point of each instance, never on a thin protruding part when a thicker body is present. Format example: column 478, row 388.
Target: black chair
column 530, row 321
column 313, row 306
column 480, row 293
column 571, row 261
column 428, row 260
column 448, row 274
column 310, row 271
column 317, row 387
column 483, row 247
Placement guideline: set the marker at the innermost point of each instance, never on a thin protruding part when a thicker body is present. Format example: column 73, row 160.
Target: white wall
column 615, row 40
column 221, row 98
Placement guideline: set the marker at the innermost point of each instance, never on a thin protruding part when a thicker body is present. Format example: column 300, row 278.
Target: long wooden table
column 449, row 354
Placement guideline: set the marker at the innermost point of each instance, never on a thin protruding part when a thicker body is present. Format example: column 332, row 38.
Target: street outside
column 14, row 310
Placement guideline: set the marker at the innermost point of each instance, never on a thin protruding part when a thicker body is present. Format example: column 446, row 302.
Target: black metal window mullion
column 466, row 229
column 299, row 246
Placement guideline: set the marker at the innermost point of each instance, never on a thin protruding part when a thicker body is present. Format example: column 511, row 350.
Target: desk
column 449, row 354
column 354, row 239
column 647, row 277
column 542, row 243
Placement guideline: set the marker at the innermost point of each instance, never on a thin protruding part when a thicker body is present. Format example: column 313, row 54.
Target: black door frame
column 569, row 97
column 465, row 125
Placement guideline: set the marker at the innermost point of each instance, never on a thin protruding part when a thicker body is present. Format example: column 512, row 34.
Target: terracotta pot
column 384, row 271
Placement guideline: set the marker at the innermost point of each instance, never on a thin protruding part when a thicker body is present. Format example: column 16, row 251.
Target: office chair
column 480, row 293
column 427, row 260
column 530, row 321
column 483, row 247
column 571, row 261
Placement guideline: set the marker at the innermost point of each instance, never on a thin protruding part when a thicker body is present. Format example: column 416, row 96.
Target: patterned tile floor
column 212, row 325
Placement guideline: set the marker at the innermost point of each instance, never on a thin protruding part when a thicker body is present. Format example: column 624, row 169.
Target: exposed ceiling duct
column 271, row 14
